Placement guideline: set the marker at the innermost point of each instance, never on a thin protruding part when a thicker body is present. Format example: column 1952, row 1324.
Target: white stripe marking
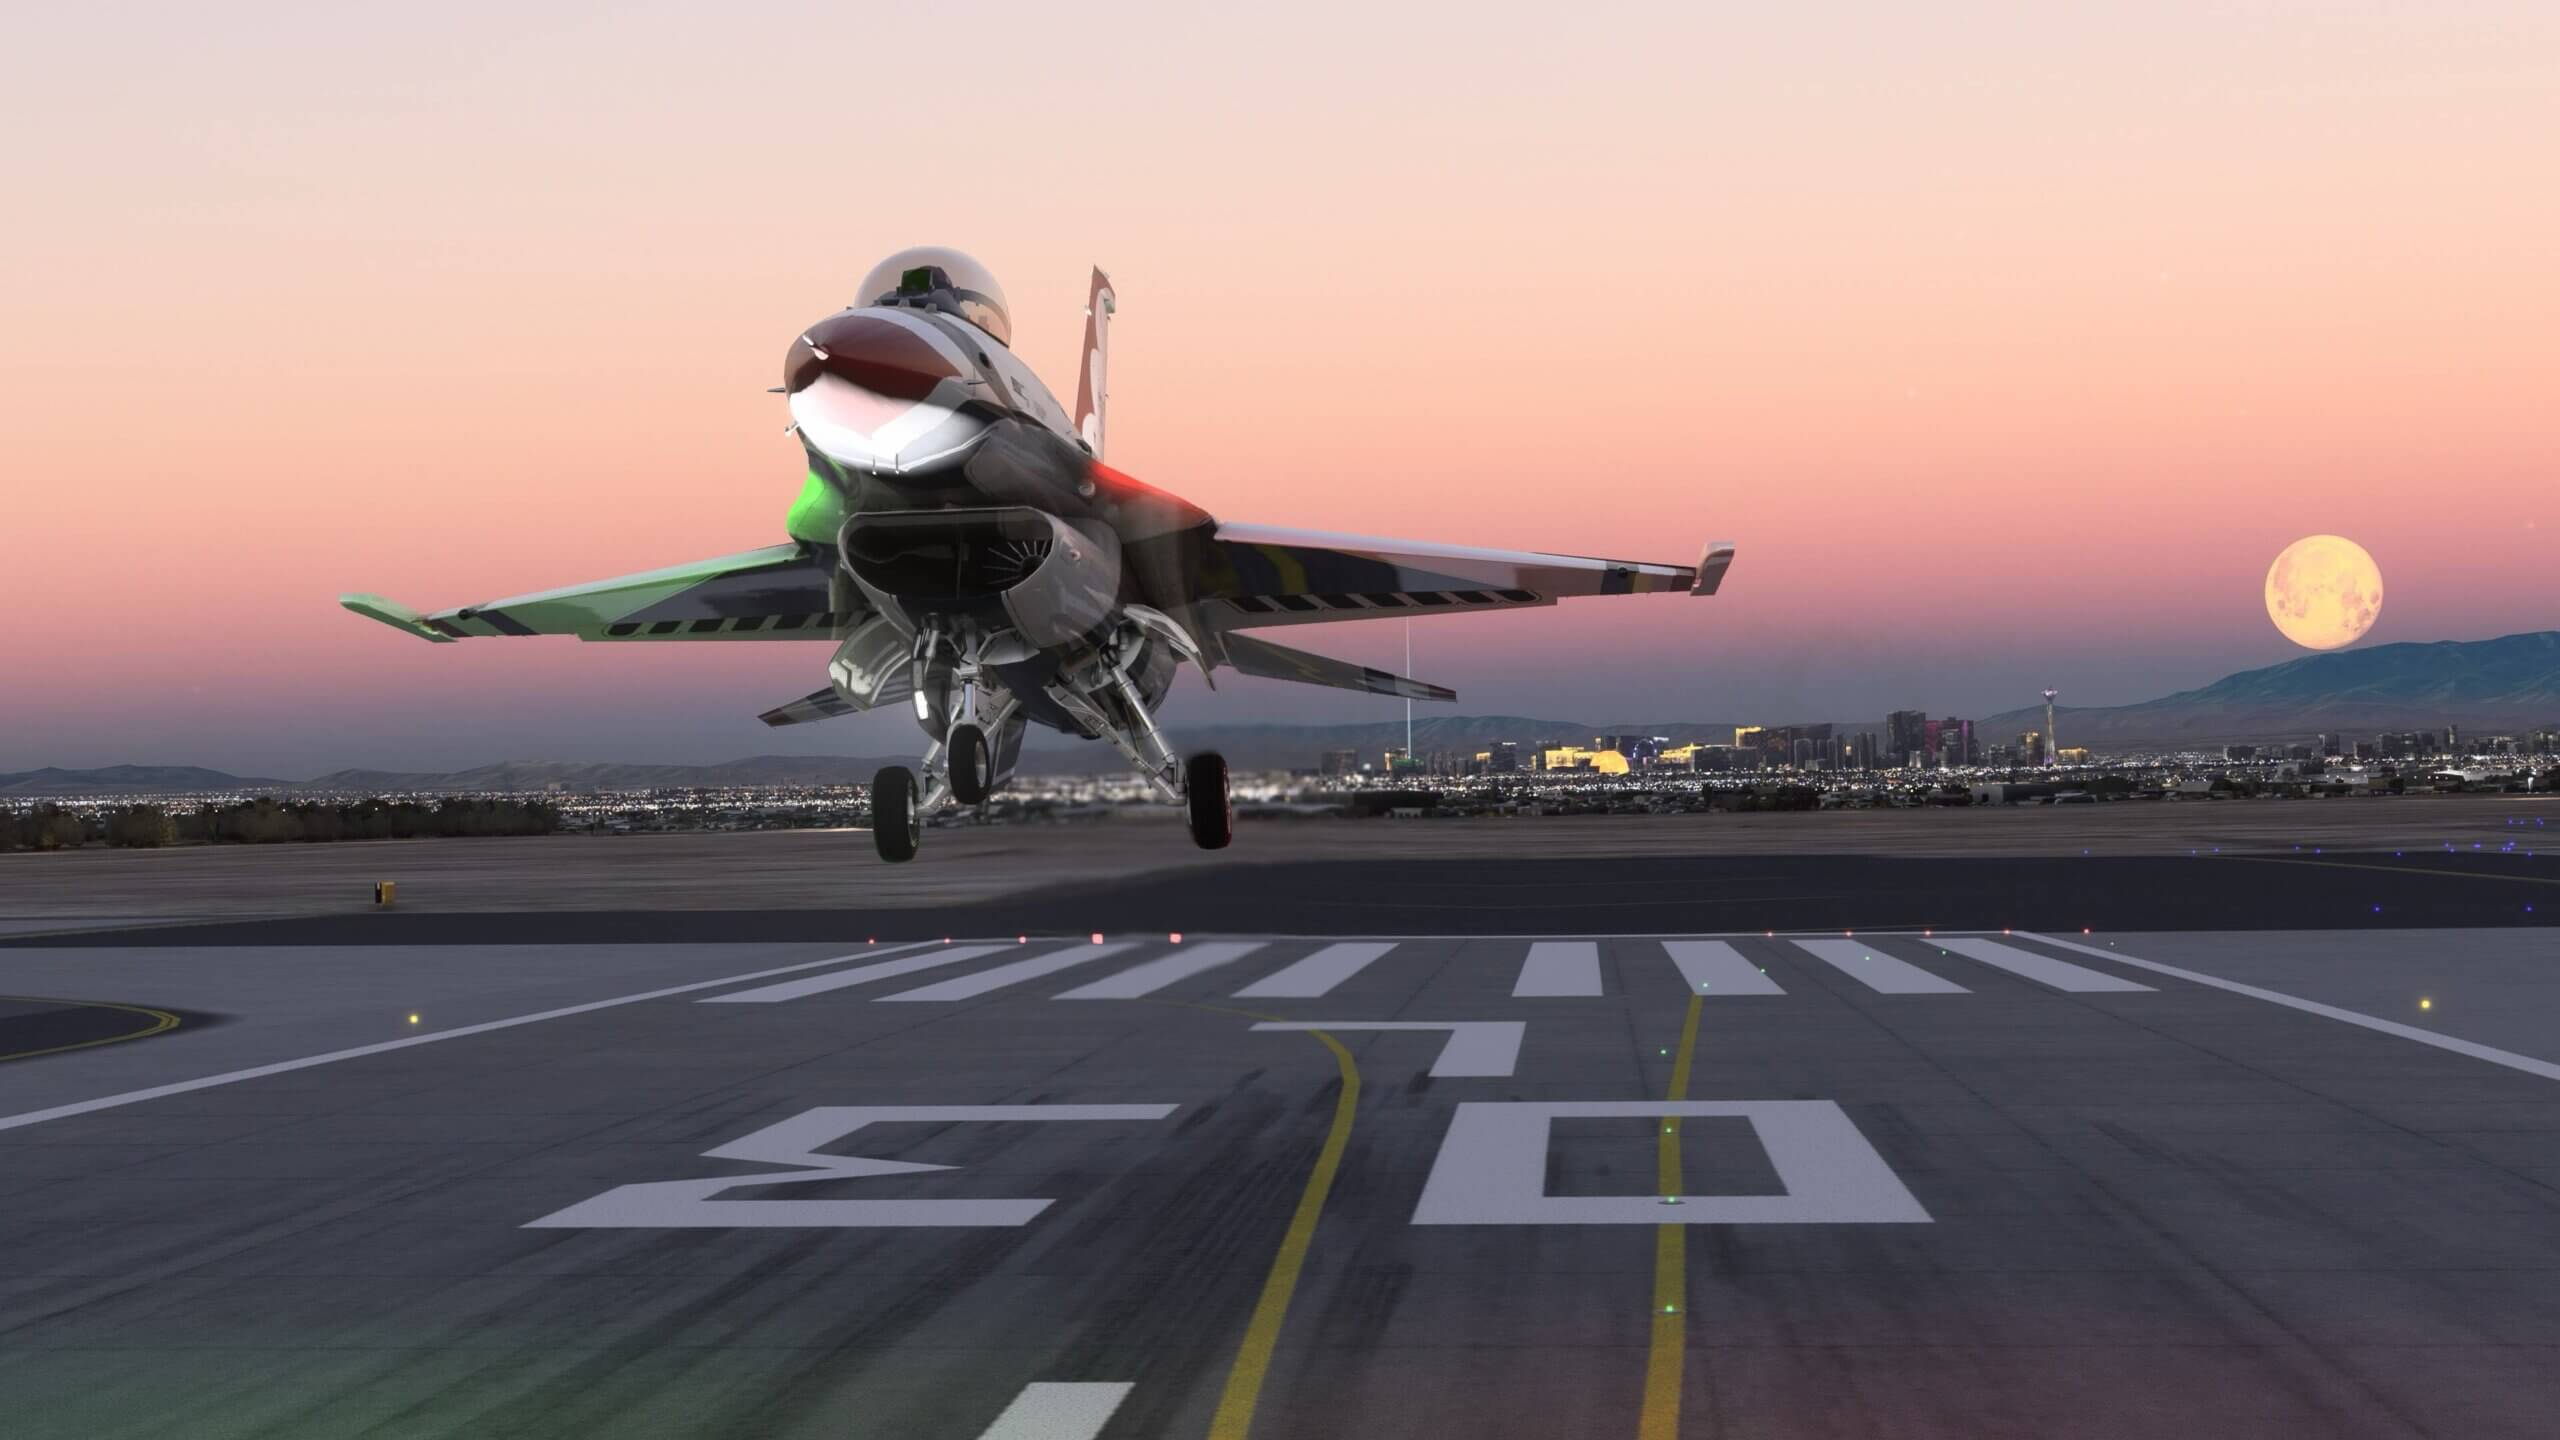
column 1315, row 975
column 2043, row 969
column 971, row 986
column 860, row 974
column 1056, row 1410
column 1476, row 1048
column 1878, row 971
column 1154, row 975
column 1712, row 967
column 1560, row 967
column 2475, row 1050
column 286, row 1067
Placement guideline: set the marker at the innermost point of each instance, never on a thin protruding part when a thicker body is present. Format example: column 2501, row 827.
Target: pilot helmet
column 936, row 277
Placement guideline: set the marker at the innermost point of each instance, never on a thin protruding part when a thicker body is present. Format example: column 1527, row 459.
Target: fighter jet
column 962, row 547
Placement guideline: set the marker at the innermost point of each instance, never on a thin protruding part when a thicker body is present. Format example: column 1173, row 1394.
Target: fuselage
column 958, row 498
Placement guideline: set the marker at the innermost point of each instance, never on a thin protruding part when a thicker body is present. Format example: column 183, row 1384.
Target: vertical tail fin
column 1092, row 381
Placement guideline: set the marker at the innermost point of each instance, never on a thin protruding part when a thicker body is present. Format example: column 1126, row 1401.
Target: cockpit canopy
column 936, row 277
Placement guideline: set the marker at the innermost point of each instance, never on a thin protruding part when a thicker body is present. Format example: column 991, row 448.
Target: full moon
column 2324, row 591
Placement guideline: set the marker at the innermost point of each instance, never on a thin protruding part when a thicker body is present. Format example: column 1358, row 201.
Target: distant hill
column 139, row 779
column 2508, row 684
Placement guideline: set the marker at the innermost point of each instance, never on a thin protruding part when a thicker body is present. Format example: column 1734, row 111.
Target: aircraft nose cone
column 872, row 351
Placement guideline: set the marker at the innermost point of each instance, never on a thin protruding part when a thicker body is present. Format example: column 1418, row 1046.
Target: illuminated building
column 2030, row 747
column 1746, row 737
column 2072, row 755
column 1905, row 736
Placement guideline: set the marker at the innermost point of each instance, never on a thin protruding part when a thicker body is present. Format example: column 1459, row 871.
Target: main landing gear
column 897, row 821
column 1205, row 801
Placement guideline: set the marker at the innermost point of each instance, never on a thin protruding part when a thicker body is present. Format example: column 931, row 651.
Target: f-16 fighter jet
column 963, row 549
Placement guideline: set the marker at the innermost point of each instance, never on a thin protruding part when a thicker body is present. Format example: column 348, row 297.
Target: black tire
column 1204, row 799
column 966, row 748
column 896, row 827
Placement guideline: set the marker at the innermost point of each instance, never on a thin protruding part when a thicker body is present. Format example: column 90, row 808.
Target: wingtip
column 396, row 615
column 1713, row 560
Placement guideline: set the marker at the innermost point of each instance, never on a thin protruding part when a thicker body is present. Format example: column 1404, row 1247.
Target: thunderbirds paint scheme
column 963, row 547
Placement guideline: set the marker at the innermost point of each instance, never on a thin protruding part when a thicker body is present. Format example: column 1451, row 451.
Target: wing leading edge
column 1263, row 575
column 779, row 592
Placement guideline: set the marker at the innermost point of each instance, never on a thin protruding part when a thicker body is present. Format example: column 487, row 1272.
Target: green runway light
column 1670, row 1309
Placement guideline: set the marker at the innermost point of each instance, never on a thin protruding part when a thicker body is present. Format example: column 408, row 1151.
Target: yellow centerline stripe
column 2399, row 869
column 1234, row 1418
column 1665, row 1359
column 162, row 1021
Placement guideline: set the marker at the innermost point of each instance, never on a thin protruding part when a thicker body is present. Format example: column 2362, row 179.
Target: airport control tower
column 2052, row 750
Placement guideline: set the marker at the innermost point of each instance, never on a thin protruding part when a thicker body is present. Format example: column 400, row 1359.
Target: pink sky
column 2009, row 343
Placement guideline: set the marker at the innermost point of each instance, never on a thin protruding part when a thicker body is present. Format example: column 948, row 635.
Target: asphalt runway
column 1305, row 1180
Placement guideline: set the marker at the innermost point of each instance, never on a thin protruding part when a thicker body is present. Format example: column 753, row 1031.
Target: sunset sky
column 2009, row 343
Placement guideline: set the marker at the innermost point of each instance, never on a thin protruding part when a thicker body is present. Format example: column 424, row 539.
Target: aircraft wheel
column 1204, row 797
column 896, row 827
column 966, row 746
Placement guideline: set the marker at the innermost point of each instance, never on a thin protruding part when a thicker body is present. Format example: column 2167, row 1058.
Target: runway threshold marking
column 1665, row 1357
column 1242, row 1393
column 1139, row 981
column 2491, row 1053
column 2043, row 969
column 1713, row 967
column 1058, row 1410
column 845, row 979
column 162, row 1023
column 1315, row 976
column 1876, row 970
column 1559, row 967
column 969, row 987
column 405, row 1042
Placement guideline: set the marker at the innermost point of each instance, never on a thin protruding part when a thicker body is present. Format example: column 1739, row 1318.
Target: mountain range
column 2510, row 684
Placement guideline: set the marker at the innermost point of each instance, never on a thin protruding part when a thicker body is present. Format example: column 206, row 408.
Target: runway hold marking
column 1713, row 969
column 859, row 975
column 1476, row 1048
column 1316, row 975
column 2491, row 1053
column 1055, row 1410
column 2043, row 969
column 1876, row 970
column 970, row 986
column 800, row 1141
column 1154, row 975
column 1560, row 967
column 357, row 1052
column 1492, row 1169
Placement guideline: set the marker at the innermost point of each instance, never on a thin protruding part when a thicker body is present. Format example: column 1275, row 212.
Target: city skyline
column 2007, row 367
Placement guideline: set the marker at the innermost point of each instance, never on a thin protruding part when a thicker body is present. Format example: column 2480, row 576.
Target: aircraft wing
column 781, row 592
column 1280, row 662
column 1261, row 575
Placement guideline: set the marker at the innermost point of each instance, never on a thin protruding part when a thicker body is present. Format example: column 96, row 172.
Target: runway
column 995, row 1186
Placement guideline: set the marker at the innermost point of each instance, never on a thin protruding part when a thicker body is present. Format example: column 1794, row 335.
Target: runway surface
column 1296, row 1181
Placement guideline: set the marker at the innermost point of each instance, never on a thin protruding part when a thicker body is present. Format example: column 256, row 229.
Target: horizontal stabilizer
column 1279, row 662
column 395, row 615
column 817, row 705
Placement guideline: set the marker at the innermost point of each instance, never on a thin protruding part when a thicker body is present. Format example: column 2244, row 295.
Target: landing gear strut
column 897, row 823
column 1205, row 801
